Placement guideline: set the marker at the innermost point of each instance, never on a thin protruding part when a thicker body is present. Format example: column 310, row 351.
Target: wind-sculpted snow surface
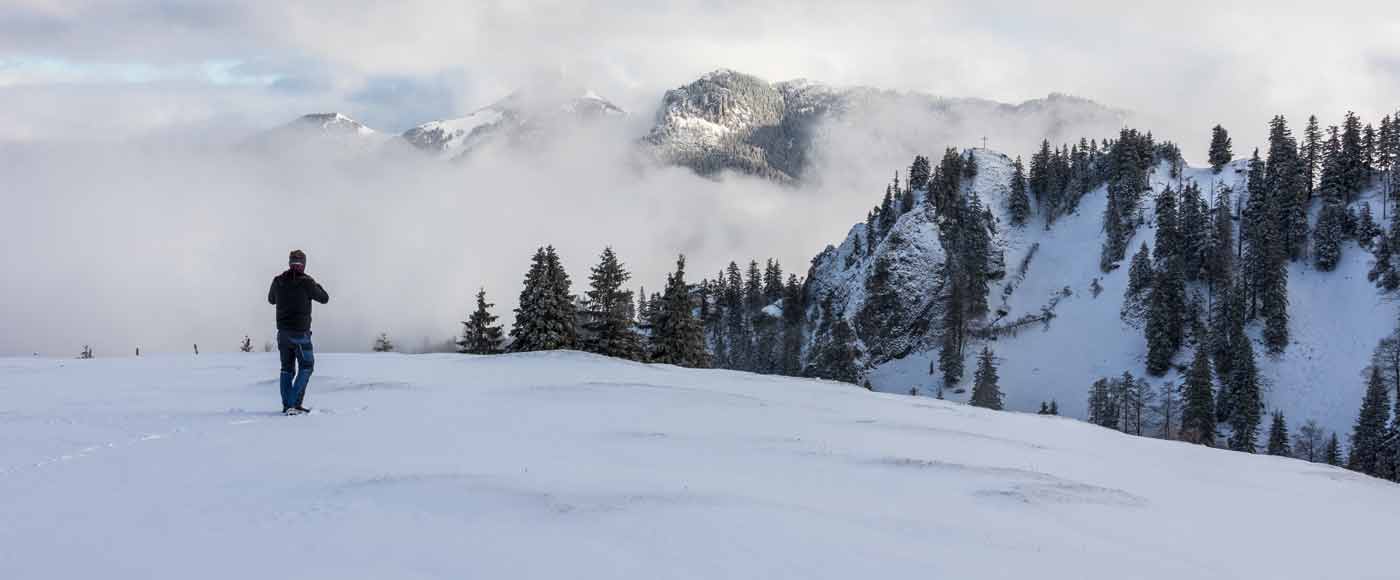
column 554, row 465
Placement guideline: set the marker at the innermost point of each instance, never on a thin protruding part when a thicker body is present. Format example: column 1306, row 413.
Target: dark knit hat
column 296, row 257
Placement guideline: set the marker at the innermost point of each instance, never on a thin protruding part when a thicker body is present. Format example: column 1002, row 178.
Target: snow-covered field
column 565, row 465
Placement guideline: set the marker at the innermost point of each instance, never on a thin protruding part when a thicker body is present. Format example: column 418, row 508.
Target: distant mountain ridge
column 728, row 120
column 732, row 121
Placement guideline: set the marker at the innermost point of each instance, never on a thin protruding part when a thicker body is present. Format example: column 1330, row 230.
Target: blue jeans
column 298, row 361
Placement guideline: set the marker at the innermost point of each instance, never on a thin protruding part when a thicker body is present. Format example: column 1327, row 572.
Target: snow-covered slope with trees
column 550, row 465
column 1336, row 318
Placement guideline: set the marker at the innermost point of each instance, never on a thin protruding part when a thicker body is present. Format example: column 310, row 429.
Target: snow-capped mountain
column 331, row 134
column 519, row 118
column 461, row 466
column 728, row 120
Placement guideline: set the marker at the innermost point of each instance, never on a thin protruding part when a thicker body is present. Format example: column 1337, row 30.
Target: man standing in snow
column 292, row 293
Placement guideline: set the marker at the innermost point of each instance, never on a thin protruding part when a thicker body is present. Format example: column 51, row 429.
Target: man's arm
column 272, row 292
column 317, row 292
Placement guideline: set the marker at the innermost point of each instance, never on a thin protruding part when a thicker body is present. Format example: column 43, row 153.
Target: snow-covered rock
column 519, row 118
column 728, row 120
column 558, row 465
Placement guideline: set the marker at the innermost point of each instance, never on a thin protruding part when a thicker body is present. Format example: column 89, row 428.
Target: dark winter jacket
column 293, row 293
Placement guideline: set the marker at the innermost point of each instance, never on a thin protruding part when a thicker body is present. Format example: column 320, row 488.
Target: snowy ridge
column 1336, row 317
column 728, row 120
column 474, row 467
column 521, row 117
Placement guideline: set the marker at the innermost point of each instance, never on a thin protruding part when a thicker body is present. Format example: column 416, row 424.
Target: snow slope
column 555, row 465
column 1336, row 318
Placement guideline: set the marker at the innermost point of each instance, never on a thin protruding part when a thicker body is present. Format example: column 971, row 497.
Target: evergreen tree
column 1019, row 204
column 1194, row 230
column 1366, row 228
column 1381, row 272
column 986, row 393
column 383, row 344
column 1368, row 435
column 839, row 360
column 1327, row 237
column 608, row 328
column 1054, row 407
column 1245, row 402
column 246, row 345
column 1220, row 153
column 1040, row 172
column 950, row 354
column 918, row 173
column 480, row 333
column 1167, row 302
column 1310, row 152
column 792, row 327
column 1353, row 172
column 1103, row 403
column 1278, row 437
column 1140, row 277
column 1333, row 454
column 678, row 338
column 738, row 336
column 1220, row 263
column 888, row 215
column 545, row 318
column 1198, row 415
column 970, row 165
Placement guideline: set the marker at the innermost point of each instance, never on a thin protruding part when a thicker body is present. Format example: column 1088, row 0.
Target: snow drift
column 561, row 464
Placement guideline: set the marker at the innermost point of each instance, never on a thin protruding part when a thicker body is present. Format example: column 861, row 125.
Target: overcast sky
column 123, row 67
column 173, row 241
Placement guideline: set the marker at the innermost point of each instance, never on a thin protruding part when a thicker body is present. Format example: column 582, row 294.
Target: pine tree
column 738, row 335
column 1366, row 228
column 1198, row 415
column 1368, row 435
column 986, row 393
column 545, row 318
column 1040, row 172
column 918, row 173
column 1167, row 302
column 1333, row 454
column 1054, row 407
column 950, row 354
column 1220, row 263
column 1245, row 402
column 1311, row 154
column 678, row 338
column 609, row 330
column 1220, row 153
column 1327, row 237
column 1135, row 296
column 247, row 345
column 1353, row 176
column 970, row 165
column 792, row 327
column 480, row 334
column 1019, row 204
column 383, row 344
column 1278, row 437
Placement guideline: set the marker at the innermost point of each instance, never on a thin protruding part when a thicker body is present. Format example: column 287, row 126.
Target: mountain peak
column 333, row 121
